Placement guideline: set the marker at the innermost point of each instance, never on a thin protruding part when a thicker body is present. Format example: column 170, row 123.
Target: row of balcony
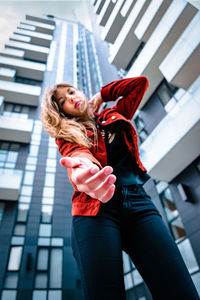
column 24, row 56
column 159, row 39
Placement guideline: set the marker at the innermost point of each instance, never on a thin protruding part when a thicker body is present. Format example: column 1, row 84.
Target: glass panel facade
column 177, row 229
column 15, row 258
column 39, row 295
column 22, row 212
column 45, row 230
column 9, row 295
column 188, row 255
column 41, row 280
column 19, row 229
column 11, row 280
column 43, row 257
column 168, row 204
column 55, row 295
column 55, row 280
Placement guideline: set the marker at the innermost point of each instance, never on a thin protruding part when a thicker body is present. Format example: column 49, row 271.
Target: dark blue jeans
column 130, row 222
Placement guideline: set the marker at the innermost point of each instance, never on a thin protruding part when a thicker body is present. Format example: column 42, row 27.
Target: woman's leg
column 96, row 244
column 155, row 254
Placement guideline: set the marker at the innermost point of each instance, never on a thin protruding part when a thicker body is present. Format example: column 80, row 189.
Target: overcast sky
column 12, row 12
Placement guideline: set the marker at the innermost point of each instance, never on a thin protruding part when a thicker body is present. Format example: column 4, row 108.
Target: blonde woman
column 110, row 208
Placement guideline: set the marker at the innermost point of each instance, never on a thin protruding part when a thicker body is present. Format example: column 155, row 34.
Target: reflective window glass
column 46, row 213
column 42, row 261
column 30, row 167
column 177, row 229
column 19, row 229
column 44, row 242
column 36, row 137
column 26, row 190
column 196, row 280
column 2, row 205
column 48, row 192
column 17, row 240
column 39, row 295
column 168, row 204
column 54, row 295
column 48, row 200
column 25, row 199
column 11, row 280
column 126, row 262
column 188, row 255
column 37, row 129
column 57, row 242
column 29, row 177
column 51, row 162
column 52, row 152
column 136, row 277
column 31, row 160
column 128, row 280
column 22, row 212
column 9, row 295
column 45, row 230
column 49, row 179
column 15, row 258
column 33, row 150
column 56, row 262
column 12, row 156
column 50, row 169
column 41, row 280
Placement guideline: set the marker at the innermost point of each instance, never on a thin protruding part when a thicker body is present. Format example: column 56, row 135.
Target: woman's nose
column 70, row 98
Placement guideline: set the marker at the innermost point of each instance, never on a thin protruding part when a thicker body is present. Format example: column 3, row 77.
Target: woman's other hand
column 95, row 102
column 88, row 178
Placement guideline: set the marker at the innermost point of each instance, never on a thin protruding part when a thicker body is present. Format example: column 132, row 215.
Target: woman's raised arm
column 88, row 177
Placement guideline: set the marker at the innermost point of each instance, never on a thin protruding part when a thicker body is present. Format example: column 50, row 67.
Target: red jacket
column 130, row 91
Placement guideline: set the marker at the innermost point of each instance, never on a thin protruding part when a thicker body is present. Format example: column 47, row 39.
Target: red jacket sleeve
column 130, row 90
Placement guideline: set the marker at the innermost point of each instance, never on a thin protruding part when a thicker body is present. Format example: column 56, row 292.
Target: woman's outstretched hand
column 88, row 178
column 95, row 102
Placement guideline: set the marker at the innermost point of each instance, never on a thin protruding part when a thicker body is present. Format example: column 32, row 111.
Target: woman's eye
column 71, row 92
column 62, row 102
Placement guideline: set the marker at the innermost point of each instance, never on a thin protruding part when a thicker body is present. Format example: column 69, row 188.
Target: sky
column 13, row 12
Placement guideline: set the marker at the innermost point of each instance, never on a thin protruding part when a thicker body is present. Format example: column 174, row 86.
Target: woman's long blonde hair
column 60, row 125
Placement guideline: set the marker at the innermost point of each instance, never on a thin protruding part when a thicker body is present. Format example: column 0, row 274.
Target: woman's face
column 72, row 101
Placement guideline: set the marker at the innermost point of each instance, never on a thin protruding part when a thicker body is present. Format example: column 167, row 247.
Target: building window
column 20, row 229
column 140, row 126
column 11, row 280
column 8, row 295
column 42, row 260
column 22, row 213
column 16, row 110
column 8, row 155
column 168, row 204
column 15, row 258
column 46, row 213
column 131, row 276
column 49, row 268
column 2, row 205
column 45, row 230
column 165, row 92
column 188, row 255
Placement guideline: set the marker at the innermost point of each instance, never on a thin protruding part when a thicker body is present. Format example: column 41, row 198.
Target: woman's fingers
column 108, row 195
column 101, row 192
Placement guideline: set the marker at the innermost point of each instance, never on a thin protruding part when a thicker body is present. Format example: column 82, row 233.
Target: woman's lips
column 77, row 104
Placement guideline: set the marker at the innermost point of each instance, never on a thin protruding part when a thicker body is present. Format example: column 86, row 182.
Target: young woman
column 110, row 208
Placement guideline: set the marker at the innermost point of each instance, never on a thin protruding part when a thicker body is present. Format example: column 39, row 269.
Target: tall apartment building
column 160, row 39
column 36, row 260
